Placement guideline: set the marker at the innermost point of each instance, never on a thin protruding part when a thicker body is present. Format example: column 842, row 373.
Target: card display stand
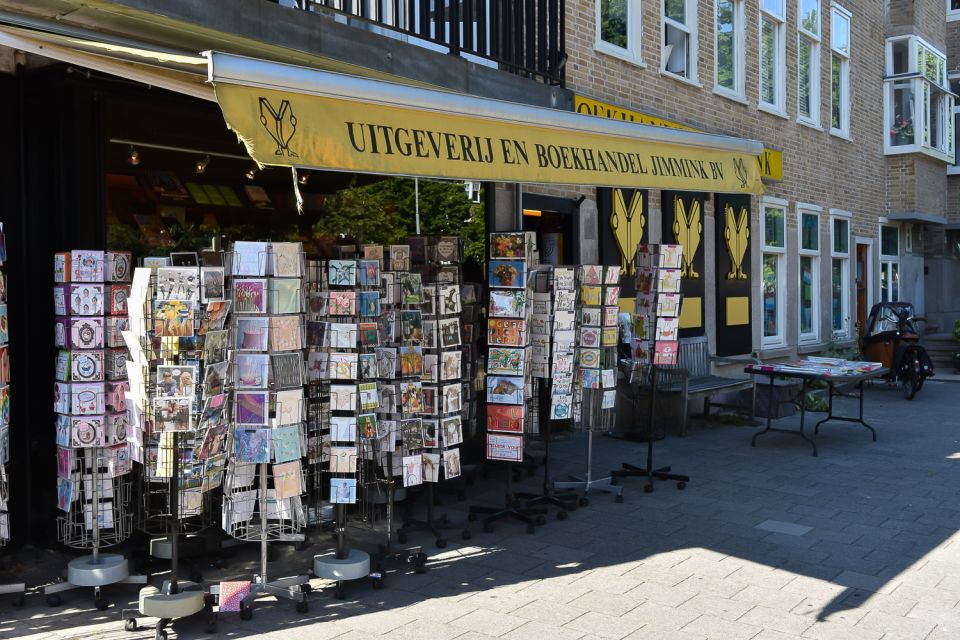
column 17, row 589
column 264, row 482
column 656, row 343
column 93, row 456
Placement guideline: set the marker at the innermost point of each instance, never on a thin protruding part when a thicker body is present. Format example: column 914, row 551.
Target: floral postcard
column 507, row 245
column 508, row 274
column 343, row 303
column 508, row 304
column 250, row 296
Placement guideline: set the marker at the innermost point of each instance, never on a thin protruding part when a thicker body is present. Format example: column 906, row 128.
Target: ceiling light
column 252, row 172
column 201, row 165
column 133, row 156
column 304, row 178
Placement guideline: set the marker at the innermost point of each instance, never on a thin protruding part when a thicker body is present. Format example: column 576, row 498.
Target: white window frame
column 888, row 259
column 632, row 52
column 954, row 167
column 939, row 144
column 812, row 336
column 780, row 71
column 691, row 28
column 845, row 288
column 952, row 14
column 814, row 39
column 780, row 339
column 739, row 53
column 843, row 131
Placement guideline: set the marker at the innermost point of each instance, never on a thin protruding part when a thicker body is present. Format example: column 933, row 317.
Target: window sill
column 775, row 351
column 810, row 124
column 690, row 81
column 811, row 346
column 772, row 111
column 843, row 135
column 730, row 95
column 618, row 53
column 953, row 170
column 953, row 18
column 916, row 148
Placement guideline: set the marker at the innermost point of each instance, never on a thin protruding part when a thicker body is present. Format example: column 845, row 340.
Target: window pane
column 901, row 129
column 726, row 44
column 773, row 227
column 836, row 293
column 835, row 89
column 768, row 62
column 840, row 32
column 810, row 232
column 841, row 235
column 810, row 16
column 674, row 10
column 956, row 130
column 771, row 275
column 773, row 6
column 889, row 241
column 901, row 56
column 933, row 120
column 806, row 294
column 894, row 281
column 676, row 42
column 613, row 22
column 931, row 67
column 805, row 62
column 954, row 5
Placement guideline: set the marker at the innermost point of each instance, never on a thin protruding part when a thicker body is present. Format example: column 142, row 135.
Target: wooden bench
column 693, row 379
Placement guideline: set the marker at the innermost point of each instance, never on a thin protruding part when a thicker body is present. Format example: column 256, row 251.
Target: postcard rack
column 264, row 481
column 93, row 457
column 15, row 588
column 655, row 344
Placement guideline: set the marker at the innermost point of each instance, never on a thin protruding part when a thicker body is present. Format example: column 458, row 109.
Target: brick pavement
column 765, row 543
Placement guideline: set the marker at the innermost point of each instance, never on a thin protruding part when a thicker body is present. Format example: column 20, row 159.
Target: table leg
column 753, row 441
column 859, row 419
column 816, row 429
column 803, row 414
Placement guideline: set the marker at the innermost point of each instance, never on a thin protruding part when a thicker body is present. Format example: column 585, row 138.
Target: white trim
column 809, row 206
column 780, row 71
column 738, row 92
column 812, row 336
column 870, row 268
column 843, row 131
column 774, row 201
column 607, row 49
column 814, row 118
column 723, row 92
column 845, row 257
column 632, row 52
column 952, row 14
column 780, row 339
column 673, row 76
column 762, row 106
column 840, row 213
column 691, row 27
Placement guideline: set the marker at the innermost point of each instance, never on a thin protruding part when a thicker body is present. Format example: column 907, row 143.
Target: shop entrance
column 552, row 219
column 863, row 275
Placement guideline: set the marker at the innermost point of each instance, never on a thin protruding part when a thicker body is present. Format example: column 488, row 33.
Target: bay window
column 889, row 263
column 618, row 28
column 808, row 219
column 918, row 104
column 808, row 61
column 774, row 271
column 729, row 63
column 954, row 167
column 772, row 55
column 679, row 28
column 840, row 274
column 839, row 71
column 953, row 10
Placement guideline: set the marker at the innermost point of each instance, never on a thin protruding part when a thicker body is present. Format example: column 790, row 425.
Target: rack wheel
column 648, row 488
column 100, row 602
column 130, row 624
column 18, row 603
column 338, row 592
column 487, row 527
column 306, row 587
column 246, row 612
column 541, row 520
column 54, row 600
column 466, row 535
column 531, row 528
column 681, row 486
column 562, row 514
column 302, row 606
column 584, row 501
column 618, row 498
column 376, row 583
column 160, row 635
column 401, row 538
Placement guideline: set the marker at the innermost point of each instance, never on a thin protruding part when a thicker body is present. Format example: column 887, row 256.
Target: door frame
column 871, row 259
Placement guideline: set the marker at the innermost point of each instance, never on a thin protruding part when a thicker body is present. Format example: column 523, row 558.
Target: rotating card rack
column 434, row 326
column 595, row 391
column 319, row 515
column 93, row 457
column 339, row 362
column 656, row 343
column 264, row 481
column 15, row 588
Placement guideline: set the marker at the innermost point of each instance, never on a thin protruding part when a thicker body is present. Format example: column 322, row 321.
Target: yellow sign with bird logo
column 736, row 235
column 627, row 223
column 688, row 232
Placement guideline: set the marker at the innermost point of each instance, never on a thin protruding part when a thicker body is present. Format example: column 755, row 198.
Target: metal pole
column 174, row 509
column 518, row 204
column 263, row 524
column 416, row 191
column 95, row 506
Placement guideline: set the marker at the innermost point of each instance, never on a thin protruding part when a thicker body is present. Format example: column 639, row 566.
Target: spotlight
column 304, row 178
column 252, row 172
column 201, row 165
column 133, row 156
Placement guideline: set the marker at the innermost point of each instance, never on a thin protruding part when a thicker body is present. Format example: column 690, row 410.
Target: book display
column 264, row 483
column 655, row 343
column 18, row 587
column 93, row 453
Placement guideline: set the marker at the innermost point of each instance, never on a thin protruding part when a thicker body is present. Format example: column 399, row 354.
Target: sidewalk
column 765, row 543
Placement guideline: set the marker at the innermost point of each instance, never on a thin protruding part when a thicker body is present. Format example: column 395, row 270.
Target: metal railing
column 524, row 37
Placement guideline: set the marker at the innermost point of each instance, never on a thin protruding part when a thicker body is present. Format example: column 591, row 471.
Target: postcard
column 507, row 245
column 668, row 280
column 590, row 317
column 564, row 300
column 172, row 414
column 86, row 265
column 253, row 370
column 178, row 283
column 368, row 273
column 412, row 470
column 367, row 425
column 373, row 252
column 668, row 304
column 287, row 479
column 448, row 300
column 367, row 369
column 411, row 397
column 86, row 431
column 173, row 319
column 250, row 296
column 343, row 459
column 411, row 288
column 285, row 334
column 251, row 407
column 399, row 257
column 506, row 361
column 343, row 429
column 507, row 304
column 646, row 280
column 343, row 397
column 342, row 273
column 671, row 256
column 176, row 380
column 452, row 395
column 285, row 295
column 369, row 334
column 411, row 327
column 611, row 295
column 452, row 431
column 369, row 398
column 451, row 365
column 590, row 337
column 287, row 370
column 506, row 332
column 431, row 467
column 590, row 358
column 610, row 316
column 252, row 334
column 665, row 353
column 343, row 335
column 370, row 303
column 215, row 316
column 591, row 274
column 667, row 328
column 509, row 274
column 430, row 401
column 449, row 332
column 611, row 275
column 343, row 366
column 386, row 362
column 86, row 366
column 504, row 447
column 343, row 490
column 429, row 304
column 342, row 303
column 561, row 406
column 641, row 350
column 411, row 361
column 451, row 463
column 213, row 443
column 429, row 334
column 504, row 389
column 286, row 259
column 448, row 249
column 541, row 303
column 250, row 258
column 610, row 337
column 285, row 443
column 591, row 296
column 252, row 445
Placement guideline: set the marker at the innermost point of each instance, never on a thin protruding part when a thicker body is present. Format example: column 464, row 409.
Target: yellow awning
column 306, row 118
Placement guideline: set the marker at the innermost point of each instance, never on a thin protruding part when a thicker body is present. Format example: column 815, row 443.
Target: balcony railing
column 525, row 38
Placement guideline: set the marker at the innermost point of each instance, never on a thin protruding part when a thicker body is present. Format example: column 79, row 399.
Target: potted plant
column 902, row 131
column 956, row 336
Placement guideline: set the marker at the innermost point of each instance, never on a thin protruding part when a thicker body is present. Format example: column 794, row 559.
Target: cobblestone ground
column 765, row 543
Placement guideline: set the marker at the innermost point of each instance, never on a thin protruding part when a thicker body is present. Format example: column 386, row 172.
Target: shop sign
column 770, row 163
column 293, row 129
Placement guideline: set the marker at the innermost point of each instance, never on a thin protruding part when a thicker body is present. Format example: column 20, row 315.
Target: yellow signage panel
column 770, row 164
column 284, row 128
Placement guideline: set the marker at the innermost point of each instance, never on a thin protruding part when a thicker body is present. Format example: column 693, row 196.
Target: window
column 954, row 166
column 840, row 274
column 679, row 28
column 809, row 227
column 953, row 10
column 918, row 106
column 772, row 55
column 808, row 61
column 889, row 263
column 729, row 64
column 839, row 71
column 618, row 28
column 774, row 272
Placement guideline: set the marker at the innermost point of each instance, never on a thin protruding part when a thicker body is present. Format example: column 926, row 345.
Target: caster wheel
column 402, row 538
column 18, row 603
column 618, row 498
column 100, row 603
column 306, row 587
column 53, row 600
column 466, row 535
column 541, row 520
column 421, row 564
column 302, row 607
column 160, row 635
column 648, row 488
column 441, row 543
column 376, row 583
column 584, row 501
column 681, row 486
column 488, row 528
column 130, row 624
column 246, row 613
column 472, row 517
column 531, row 528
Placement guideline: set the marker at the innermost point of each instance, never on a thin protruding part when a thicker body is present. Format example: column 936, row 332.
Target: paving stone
column 488, row 622
column 534, row 629
column 726, row 608
column 604, row 626
column 549, row 612
column 720, row 629
column 837, row 631
column 776, row 619
column 660, row 594
column 606, row 603
column 788, row 528
column 896, row 626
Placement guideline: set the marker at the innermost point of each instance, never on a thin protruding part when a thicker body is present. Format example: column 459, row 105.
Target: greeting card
column 508, row 274
column 343, row 490
column 250, row 258
column 342, row 273
column 343, row 429
column 666, row 353
column 285, row 442
column 252, row 445
column 504, row 447
column 285, row 295
column 504, row 389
